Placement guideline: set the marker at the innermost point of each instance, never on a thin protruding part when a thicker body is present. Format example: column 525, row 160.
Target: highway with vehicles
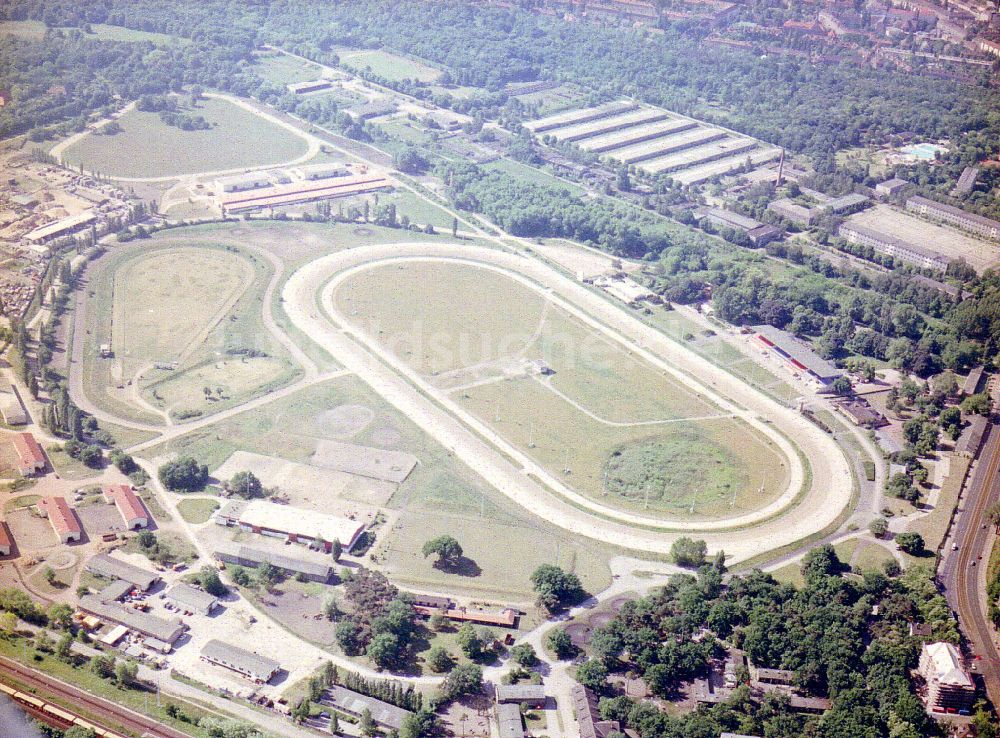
column 961, row 572
column 100, row 709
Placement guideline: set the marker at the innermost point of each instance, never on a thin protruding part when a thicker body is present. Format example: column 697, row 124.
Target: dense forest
column 843, row 637
column 846, row 312
column 69, row 73
column 814, row 109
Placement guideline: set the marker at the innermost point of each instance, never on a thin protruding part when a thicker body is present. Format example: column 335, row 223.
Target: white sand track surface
column 810, row 503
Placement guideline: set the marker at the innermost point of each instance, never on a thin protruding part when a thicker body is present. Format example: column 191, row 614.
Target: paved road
column 961, row 570
column 113, row 713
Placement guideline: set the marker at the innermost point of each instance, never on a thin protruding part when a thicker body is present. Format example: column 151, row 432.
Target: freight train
column 37, row 705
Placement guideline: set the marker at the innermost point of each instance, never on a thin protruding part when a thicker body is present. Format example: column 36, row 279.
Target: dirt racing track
column 813, row 499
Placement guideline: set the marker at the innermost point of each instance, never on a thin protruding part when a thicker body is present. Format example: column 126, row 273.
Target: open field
column 282, row 69
column 212, row 340
column 148, row 147
column 531, row 174
column 36, row 30
column 197, row 510
column 291, row 429
column 949, row 242
column 604, row 419
column 190, row 285
column 388, row 65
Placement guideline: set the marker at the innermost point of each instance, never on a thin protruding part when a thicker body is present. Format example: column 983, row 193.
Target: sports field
column 614, row 427
column 183, row 320
column 36, row 30
column 386, row 64
column 148, row 147
column 440, row 494
column 282, row 69
column 190, row 285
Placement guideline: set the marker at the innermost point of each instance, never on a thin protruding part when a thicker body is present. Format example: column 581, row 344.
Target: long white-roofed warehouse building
column 251, row 665
column 315, row 529
column 189, row 598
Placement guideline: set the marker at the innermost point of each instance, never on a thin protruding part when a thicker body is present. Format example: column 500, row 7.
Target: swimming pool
column 926, row 151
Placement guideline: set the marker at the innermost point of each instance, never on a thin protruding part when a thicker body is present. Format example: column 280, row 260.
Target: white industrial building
column 321, row 171
column 243, row 182
column 291, row 523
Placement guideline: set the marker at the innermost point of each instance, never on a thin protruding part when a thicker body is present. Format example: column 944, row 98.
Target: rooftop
column 945, row 666
column 60, row 514
column 305, row 523
column 798, row 351
column 115, row 591
column 951, row 209
column 27, row 448
column 891, row 240
column 353, row 702
column 257, row 556
column 108, row 566
column 127, row 502
column 167, row 631
column 188, row 596
column 509, row 719
column 527, row 692
column 247, row 662
column 63, row 224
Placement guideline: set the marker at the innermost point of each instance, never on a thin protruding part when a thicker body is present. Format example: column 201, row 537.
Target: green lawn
column 213, row 295
column 197, row 510
column 790, row 574
column 934, row 525
column 147, row 147
column 36, row 30
column 871, row 557
column 69, row 468
column 388, row 65
column 281, row 69
column 16, row 503
column 531, row 174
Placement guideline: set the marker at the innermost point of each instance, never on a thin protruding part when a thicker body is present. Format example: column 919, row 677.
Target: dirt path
column 491, row 456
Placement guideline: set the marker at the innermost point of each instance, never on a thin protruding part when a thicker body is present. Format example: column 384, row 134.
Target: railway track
column 133, row 722
column 961, row 574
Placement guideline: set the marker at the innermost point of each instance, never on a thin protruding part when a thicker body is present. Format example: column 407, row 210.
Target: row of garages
column 652, row 139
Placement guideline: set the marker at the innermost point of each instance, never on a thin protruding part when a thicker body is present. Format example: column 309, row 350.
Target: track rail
column 961, row 578
column 116, row 714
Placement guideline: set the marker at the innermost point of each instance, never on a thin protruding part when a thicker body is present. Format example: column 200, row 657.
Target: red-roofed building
column 30, row 457
column 62, row 518
column 129, row 505
column 6, row 542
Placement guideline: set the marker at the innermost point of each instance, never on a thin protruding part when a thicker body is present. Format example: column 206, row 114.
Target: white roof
column 64, row 224
column 114, row 635
column 306, row 523
column 945, row 665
